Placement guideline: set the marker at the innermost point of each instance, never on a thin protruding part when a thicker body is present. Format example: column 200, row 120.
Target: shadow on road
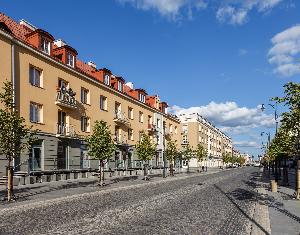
column 248, row 196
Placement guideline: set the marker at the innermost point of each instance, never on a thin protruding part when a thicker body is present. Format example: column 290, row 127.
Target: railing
column 66, row 98
column 120, row 139
column 121, row 118
column 65, row 130
column 152, row 127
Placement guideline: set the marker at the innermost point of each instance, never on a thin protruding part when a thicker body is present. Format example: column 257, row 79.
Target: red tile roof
column 20, row 32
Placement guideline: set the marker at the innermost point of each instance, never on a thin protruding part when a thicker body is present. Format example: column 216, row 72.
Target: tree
column 241, row 161
column 145, row 150
column 171, row 154
column 187, row 154
column 201, row 154
column 15, row 136
column 226, row 158
column 100, row 145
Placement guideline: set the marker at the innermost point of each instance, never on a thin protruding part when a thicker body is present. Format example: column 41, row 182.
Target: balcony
column 152, row 128
column 66, row 98
column 120, row 140
column 168, row 134
column 65, row 130
column 120, row 118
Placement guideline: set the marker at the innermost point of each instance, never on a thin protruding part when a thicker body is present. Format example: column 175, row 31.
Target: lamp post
column 275, row 114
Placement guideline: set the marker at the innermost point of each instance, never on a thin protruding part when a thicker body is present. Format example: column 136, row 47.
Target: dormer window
column 107, row 79
column 120, row 86
column 70, row 59
column 142, row 97
column 45, row 45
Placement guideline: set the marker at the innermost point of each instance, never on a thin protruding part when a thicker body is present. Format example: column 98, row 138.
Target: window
column 84, row 96
column 36, row 113
column 62, row 83
column 35, row 76
column 171, row 128
column 130, row 113
column 130, row 134
column 158, row 123
column 175, row 129
column 45, row 46
column 120, row 86
column 70, row 59
column 142, row 97
column 85, row 124
column 107, row 79
column 141, row 117
column 103, row 102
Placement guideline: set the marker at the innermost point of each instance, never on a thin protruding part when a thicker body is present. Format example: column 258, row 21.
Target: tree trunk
column 171, row 169
column 145, row 171
column 100, row 173
column 188, row 167
column 10, row 178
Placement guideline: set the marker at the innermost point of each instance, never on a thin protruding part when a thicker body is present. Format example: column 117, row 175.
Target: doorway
column 35, row 157
column 62, row 156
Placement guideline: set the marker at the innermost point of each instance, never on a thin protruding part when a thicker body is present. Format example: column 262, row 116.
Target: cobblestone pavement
column 220, row 203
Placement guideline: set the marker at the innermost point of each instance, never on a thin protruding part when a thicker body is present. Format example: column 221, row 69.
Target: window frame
column 103, row 103
column 130, row 113
column 33, row 80
column 84, row 93
column 107, row 79
column 45, row 45
column 141, row 117
column 69, row 60
column 85, row 124
column 36, row 114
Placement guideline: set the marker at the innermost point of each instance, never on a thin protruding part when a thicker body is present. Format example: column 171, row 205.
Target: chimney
column 60, row 43
column 130, row 84
column 27, row 25
column 92, row 64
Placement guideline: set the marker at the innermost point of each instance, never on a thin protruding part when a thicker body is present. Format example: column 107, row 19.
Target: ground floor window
column 35, row 156
column 62, row 156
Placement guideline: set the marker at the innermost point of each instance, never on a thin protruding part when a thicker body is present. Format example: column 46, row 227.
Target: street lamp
column 275, row 113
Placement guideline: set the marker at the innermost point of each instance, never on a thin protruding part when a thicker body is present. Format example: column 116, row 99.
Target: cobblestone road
column 220, row 203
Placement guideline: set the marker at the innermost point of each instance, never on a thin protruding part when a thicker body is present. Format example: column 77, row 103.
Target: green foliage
column 100, row 144
column 227, row 158
column 171, row 151
column 145, row 148
column 241, row 160
column 287, row 140
column 15, row 136
column 200, row 152
column 187, row 153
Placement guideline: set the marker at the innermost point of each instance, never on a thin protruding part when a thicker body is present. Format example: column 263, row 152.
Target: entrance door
column 62, row 156
column 35, row 158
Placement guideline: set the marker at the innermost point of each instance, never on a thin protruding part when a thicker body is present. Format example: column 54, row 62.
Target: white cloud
column 231, row 15
column 247, row 144
column 229, row 116
column 286, row 51
column 228, row 11
column 236, row 11
column 167, row 8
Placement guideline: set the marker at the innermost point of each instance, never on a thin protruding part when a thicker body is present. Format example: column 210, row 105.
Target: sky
column 219, row 58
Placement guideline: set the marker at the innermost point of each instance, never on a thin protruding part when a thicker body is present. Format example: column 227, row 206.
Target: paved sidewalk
column 44, row 191
column 282, row 209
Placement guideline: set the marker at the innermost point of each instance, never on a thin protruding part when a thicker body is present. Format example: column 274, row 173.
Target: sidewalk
column 63, row 188
column 283, row 211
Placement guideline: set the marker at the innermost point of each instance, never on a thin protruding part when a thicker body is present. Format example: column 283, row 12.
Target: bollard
column 273, row 186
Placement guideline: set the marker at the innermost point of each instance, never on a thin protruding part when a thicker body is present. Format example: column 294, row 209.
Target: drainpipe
column 13, row 78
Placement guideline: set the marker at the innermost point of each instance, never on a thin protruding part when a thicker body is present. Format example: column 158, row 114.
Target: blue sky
column 214, row 57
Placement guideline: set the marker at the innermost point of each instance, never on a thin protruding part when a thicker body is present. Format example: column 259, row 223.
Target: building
column 197, row 130
column 62, row 97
